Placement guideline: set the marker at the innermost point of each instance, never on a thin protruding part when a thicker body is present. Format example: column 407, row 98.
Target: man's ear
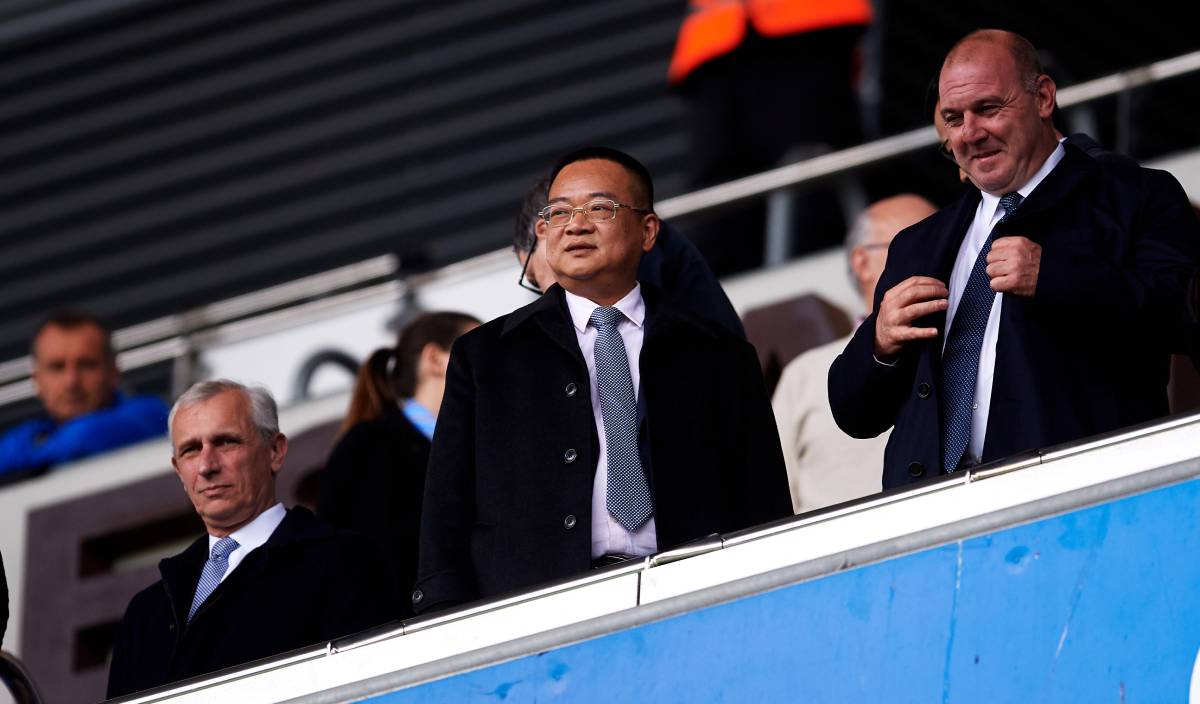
column 650, row 227
column 1045, row 94
column 278, row 448
column 859, row 262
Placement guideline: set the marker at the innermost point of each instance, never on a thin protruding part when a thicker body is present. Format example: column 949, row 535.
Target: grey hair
column 263, row 411
column 858, row 235
column 860, row 232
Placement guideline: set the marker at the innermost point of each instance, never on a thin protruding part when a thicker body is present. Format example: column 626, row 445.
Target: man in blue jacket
column 76, row 378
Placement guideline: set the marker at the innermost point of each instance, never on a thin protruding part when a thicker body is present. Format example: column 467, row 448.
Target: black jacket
column 508, row 496
column 373, row 485
column 677, row 268
column 3, row 602
column 306, row 585
column 1088, row 353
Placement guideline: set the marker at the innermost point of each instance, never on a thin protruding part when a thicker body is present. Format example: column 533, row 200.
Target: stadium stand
column 201, row 198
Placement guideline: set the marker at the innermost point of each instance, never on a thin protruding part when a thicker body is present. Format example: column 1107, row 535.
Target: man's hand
column 1013, row 265
column 915, row 297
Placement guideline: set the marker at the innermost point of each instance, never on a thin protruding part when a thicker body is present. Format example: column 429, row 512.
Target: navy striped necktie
column 960, row 359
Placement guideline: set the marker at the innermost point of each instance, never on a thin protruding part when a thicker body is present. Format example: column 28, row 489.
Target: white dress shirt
column 251, row 536
column 608, row 535
column 987, row 214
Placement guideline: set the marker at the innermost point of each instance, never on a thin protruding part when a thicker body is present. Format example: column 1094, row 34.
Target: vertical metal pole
column 1125, row 121
column 781, row 208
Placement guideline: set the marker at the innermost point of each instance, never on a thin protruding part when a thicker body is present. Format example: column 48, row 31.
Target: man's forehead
column 55, row 339
column 594, row 194
column 224, row 413
column 976, row 68
column 587, row 176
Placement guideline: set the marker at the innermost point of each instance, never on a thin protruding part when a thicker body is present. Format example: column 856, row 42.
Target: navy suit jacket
column 1088, row 353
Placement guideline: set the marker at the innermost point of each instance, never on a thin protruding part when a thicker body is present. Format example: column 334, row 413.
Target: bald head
column 873, row 232
column 977, row 44
column 996, row 109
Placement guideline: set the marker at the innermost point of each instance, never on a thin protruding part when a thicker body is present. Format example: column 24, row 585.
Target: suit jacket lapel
column 1074, row 168
column 181, row 574
column 550, row 314
column 945, row 250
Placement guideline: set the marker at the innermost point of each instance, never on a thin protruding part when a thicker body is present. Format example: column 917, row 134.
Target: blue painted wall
column 1099, row 605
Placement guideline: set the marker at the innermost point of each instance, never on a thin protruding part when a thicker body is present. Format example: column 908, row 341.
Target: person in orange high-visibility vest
column 767, row 82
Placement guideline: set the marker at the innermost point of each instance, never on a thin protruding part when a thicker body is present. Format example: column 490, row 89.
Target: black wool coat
column 308, row 584
column 508, row 495
column 373, row 484
column 1087, row 354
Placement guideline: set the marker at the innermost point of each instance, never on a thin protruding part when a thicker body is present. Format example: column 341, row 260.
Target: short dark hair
column 535, row 199
column 69, row 319
column 641, row 175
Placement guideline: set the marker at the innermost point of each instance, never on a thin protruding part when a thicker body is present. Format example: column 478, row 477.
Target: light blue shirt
column 419, row 416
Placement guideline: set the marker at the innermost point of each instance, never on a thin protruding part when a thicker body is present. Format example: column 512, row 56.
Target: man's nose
column 208, row 461
column 578, row 223
column 971, row 130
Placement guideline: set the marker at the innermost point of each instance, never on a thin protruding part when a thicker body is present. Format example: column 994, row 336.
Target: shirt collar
column 632, row 305
column 421, row 417
column 991, row 202
column 256, row 532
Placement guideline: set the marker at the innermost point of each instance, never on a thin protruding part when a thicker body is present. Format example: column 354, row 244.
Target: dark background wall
column 156, row 155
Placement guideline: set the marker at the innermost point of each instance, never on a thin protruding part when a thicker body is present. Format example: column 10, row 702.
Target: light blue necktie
column 629, row 499
column 214, row 569
column 960, row 359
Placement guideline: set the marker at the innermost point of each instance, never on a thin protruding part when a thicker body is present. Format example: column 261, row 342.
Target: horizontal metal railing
column 181, row 336
column 1054, row 497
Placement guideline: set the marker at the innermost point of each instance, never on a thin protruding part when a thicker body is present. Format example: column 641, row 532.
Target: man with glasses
column 1038, row 309
column 597, row 424
column 673, row 265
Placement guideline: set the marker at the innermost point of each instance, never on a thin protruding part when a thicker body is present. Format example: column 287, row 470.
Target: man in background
column 265, row 579
column 825, row 466
column 76, row 379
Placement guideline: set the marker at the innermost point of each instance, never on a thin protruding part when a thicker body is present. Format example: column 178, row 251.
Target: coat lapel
column 1075, row 167
column 549, row 313
column 181, row 573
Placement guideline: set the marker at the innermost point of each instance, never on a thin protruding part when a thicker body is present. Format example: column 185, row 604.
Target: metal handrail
column 822, row 167
column 173, row 336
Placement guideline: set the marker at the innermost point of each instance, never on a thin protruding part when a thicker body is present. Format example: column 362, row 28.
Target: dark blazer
column 3, row 601
column 677, row 268
column 508, row 496
column 373, row 484
column 306, row 585
column 1088, row 353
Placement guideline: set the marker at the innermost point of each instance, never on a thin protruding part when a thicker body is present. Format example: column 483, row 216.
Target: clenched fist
column 1013, row 265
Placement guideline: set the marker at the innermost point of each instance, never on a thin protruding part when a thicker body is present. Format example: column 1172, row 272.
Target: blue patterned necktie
column 960, row 359
column 629, row 499
column 214, row 569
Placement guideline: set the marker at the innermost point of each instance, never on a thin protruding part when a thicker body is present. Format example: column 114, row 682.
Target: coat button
column 923, row 390
column 570, row 455
column 569, row 521
column 417, row 596
column 916, row 469
column 570, row 389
